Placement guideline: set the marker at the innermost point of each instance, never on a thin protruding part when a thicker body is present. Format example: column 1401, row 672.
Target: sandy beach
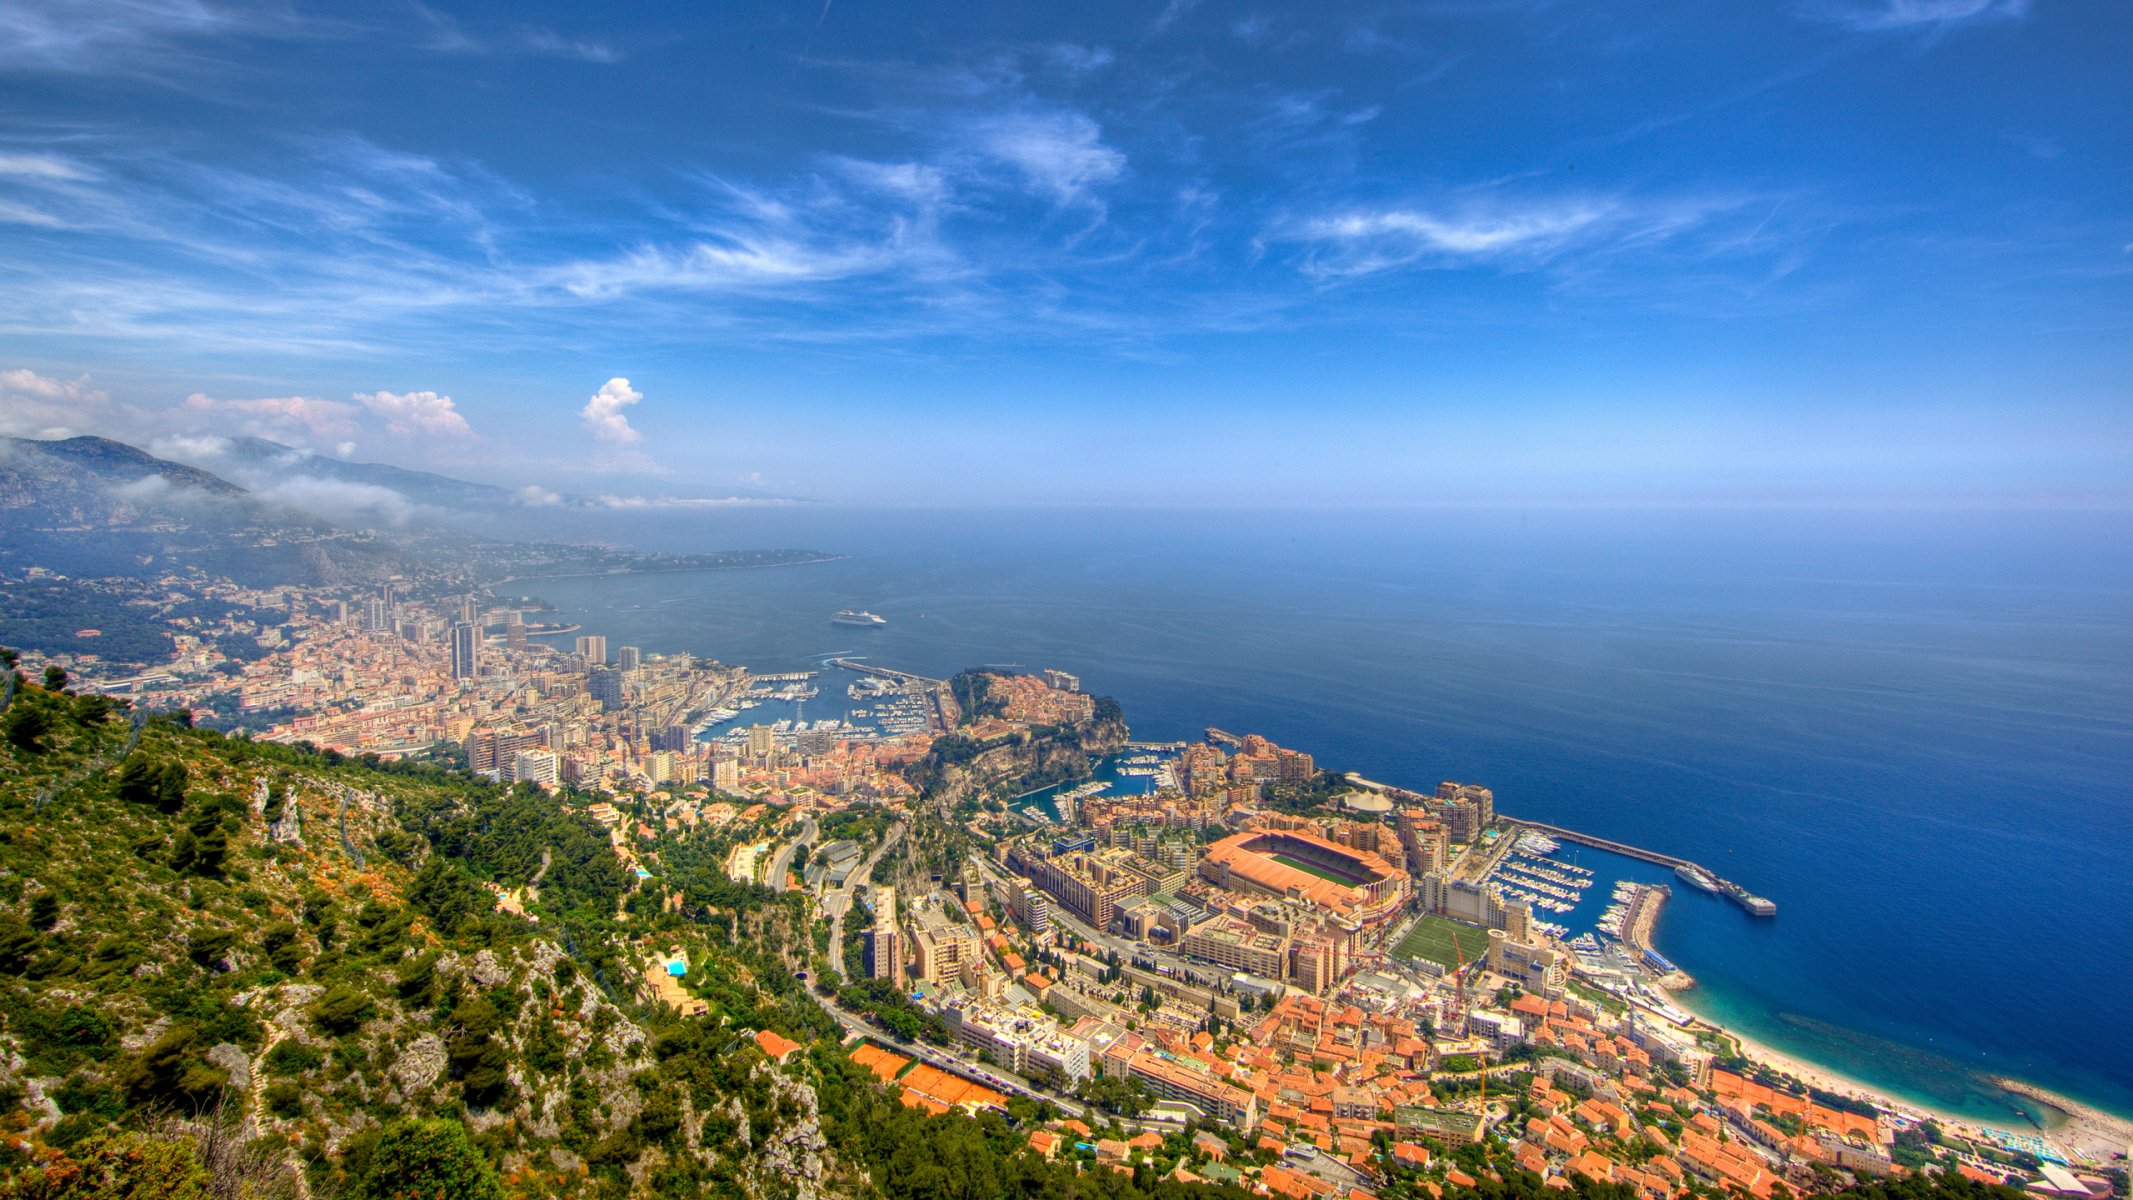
column 2088, row 1135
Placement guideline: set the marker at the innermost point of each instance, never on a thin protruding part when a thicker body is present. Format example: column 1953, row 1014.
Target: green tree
column 55, row 679
column 427, row 1160
column 26, row 725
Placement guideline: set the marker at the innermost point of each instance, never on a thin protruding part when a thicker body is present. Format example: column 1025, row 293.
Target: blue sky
column 1474, row 251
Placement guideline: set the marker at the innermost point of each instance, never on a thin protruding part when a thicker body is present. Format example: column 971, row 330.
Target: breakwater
column 1754, row 904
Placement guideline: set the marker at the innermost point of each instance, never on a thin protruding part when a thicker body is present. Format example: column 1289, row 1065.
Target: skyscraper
column 593, row 649
column 629, row 658
column 466, row 650
column 605, row 685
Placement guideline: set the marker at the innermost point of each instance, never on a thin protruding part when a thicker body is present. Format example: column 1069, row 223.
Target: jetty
column 853, row 664
column 1754, row 904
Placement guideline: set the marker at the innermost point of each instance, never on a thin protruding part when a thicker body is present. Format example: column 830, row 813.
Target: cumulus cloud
column 319, row 418
column 534, row 495
column 410, row 413
column 189, row 449
column 36, row 405
column 603, row 415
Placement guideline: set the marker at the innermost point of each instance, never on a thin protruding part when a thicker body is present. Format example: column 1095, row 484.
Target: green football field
column 1431, row 938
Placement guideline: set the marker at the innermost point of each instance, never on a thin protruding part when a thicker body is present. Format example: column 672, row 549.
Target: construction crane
column 1460, row 977
column 1459, row 982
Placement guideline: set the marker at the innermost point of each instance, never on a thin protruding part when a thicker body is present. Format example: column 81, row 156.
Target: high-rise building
column 629, row 658
column 377, row 616
column 671, row 737
column 466, row 650
column 534, row 766
column 469, row 611
column 884, row 960
column 493, row 752
column 605, row 685
column 593, row 649
column 515, row 634
column 761, row 740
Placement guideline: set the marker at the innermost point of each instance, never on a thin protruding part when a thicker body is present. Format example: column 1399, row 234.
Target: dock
column 1754, row 904
column 853, row 664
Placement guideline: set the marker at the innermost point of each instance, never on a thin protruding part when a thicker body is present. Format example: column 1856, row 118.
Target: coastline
column 2088, row 1134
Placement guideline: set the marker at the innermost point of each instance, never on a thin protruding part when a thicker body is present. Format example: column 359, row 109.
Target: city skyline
column 1827, row 253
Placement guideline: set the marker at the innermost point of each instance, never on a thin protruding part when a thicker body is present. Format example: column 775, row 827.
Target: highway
column 774, row 878
column 839, row 902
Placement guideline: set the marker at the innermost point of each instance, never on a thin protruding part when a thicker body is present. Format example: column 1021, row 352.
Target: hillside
column 307, row 952
column 95, row 507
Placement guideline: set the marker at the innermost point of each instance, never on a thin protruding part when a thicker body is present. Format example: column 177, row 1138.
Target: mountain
column 96, row 507
column 380, row 492
column 318, row 956
column 269, row 461
column 117, row 461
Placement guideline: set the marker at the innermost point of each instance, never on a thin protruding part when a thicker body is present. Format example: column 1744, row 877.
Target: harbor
column 1689, row 871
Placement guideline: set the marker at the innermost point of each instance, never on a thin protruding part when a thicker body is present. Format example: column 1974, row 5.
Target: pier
column 853, row 664
column 1754, row 904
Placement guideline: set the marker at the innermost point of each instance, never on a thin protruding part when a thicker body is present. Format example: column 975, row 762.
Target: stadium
column 1359, row 885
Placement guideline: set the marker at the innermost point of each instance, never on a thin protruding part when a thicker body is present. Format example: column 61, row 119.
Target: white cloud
column 646, row 502
column 706, row 266
column 273, row 414
column 1080, row 60
column 410, row 413
column 40, row 167
column 534, row 495
column 1060, row 153
column 1360, row 242
column 603, row 415
column 1878, row 15
column 341, row 501
column 43, row 406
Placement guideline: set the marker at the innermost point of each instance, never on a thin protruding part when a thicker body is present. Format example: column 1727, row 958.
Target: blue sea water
column 1914, row 731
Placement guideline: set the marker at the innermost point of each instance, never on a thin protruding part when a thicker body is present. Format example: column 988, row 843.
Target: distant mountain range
column 260, row 459
column 397, row 493
column 91, row 506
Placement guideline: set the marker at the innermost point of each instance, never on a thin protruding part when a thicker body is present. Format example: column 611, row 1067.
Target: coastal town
column 1213, row 959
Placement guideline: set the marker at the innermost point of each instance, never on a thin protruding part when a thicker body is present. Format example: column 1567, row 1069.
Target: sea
column 1913, row 730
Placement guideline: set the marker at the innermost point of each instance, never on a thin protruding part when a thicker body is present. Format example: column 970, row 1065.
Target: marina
column 1695, row 875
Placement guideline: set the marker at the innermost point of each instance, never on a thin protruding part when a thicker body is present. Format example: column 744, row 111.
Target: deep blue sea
column 1914, row 731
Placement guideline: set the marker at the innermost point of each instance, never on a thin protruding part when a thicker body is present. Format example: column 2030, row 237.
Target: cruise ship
column 859, row 617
